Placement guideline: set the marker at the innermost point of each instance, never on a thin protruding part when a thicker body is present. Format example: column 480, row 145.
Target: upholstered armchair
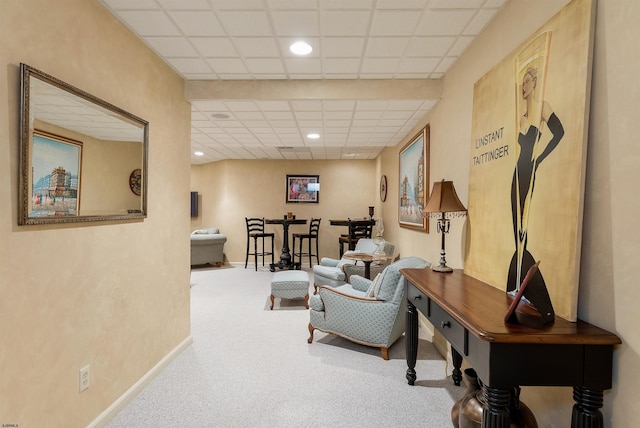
column 330, row 271
column 371, row 313
column 207, row 246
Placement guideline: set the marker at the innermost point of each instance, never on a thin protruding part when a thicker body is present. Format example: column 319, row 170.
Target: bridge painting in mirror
column 77, row 153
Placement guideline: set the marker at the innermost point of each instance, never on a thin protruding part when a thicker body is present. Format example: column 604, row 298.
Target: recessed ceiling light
column 301, row 48
column 220, row 116
column 313, row 136
column 198, row 153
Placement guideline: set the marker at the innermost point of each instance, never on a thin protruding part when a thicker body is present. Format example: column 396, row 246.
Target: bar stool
column 314, row 227
column 357, row 230
column 255, row 230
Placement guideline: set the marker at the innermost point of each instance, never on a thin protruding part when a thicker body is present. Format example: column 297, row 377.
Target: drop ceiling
column 374, row 72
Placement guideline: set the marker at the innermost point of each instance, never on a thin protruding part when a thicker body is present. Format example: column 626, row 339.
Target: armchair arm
column 328, row 261
column 360, row 283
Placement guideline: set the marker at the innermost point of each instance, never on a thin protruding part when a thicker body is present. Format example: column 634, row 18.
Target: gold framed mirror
column 77, row 155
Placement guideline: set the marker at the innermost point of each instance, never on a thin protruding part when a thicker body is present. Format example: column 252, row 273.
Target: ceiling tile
column 197, row 23
column 183, row 4
column 257, row 47
column 453, row 4
column 303, row 65
column 394, row 23
column 246, row 23
column 444, row 22
column 387, row 46
column 172, row 46
column 342, row 47
column 379, row 65
column 265, row 65
column 214, row 47
column 342, row 23
column 341, row 66
column 150, row 23
column 227, row 65
column 295, row 23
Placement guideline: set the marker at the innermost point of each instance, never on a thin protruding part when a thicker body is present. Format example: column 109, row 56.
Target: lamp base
column 442, row 268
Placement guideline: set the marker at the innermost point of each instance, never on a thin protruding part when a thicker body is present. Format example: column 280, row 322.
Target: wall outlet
column 84, row 378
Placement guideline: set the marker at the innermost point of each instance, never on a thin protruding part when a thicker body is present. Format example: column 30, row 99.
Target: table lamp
column 444, row 203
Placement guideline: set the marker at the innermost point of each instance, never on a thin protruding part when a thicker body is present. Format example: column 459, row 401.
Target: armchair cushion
column 375, row 286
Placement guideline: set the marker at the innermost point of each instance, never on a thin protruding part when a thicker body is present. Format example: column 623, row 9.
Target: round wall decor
column 383, row 188
column 135, row 181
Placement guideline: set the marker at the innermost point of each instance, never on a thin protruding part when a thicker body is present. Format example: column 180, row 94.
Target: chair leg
column 246, row 259
column 310, row 261
column 317, row 252
column 385, row 353
column 310, row 339
column 255, row 251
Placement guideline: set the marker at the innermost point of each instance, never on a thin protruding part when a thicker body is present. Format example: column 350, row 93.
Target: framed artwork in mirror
column 56, row 170
column 414, row 179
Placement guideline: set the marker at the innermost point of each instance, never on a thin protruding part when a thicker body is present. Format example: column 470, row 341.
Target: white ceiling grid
column 351, row 39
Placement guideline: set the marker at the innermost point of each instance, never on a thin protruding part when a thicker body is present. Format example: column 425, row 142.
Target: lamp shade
column 443, row 199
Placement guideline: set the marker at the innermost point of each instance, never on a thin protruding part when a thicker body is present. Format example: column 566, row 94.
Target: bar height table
column 285, row 257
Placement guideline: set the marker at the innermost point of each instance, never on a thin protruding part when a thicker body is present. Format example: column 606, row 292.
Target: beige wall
column 234, row 189
column 111, row 295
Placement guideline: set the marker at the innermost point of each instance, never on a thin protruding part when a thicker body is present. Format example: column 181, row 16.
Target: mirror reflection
column 82, row 159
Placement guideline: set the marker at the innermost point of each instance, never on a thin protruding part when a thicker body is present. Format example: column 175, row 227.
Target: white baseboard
column 132, row 392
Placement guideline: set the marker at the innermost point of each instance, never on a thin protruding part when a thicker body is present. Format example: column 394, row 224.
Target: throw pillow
column 375, row 285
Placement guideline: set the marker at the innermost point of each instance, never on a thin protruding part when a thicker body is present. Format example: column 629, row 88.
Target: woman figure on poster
column 532, row 151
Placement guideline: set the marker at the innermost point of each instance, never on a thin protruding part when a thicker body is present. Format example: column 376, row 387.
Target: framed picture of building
column 55, row 182
column 414, row 179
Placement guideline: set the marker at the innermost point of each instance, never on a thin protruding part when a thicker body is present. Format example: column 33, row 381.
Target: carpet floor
column 250, row 366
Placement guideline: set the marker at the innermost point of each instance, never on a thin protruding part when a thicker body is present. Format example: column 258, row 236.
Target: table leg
column 411, row 342
column 586, row 412
column 285, row 257
column 456, row 375
column 495, row 413
column 367, row 270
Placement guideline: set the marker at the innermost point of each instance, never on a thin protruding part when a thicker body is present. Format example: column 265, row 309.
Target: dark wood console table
column 470, row 315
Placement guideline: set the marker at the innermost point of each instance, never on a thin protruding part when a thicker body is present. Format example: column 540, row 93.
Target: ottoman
column 290, row 284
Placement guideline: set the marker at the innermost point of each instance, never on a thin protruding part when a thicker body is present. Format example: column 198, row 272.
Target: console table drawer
column 418, row 299
column 451, row 329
